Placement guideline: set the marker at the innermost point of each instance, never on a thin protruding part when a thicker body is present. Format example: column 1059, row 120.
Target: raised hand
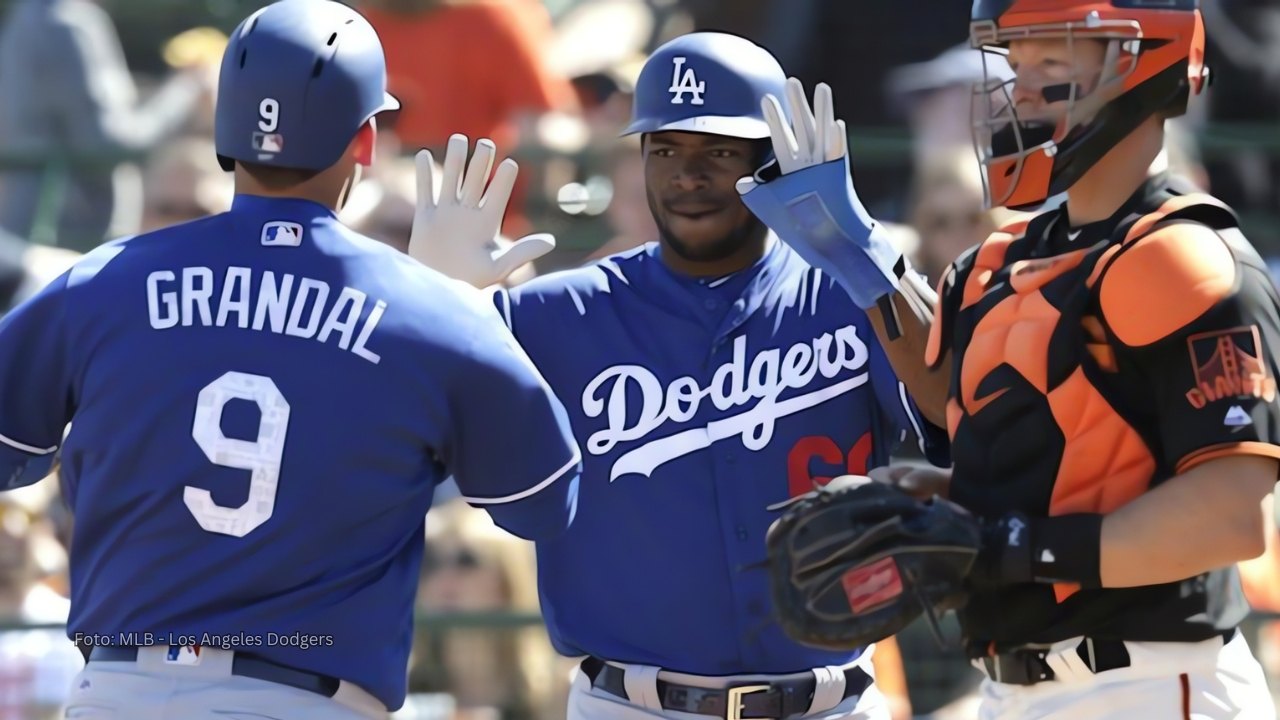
column 456, row 225
column 806, row 196
column 813, row 136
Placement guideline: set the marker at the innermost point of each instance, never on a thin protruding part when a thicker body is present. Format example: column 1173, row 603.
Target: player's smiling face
column 689, row 179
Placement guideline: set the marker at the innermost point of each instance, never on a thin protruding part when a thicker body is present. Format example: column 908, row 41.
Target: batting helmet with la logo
column 707, row 82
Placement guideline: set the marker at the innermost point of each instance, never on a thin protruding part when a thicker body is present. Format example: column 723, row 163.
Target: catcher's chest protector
column 1039, row 417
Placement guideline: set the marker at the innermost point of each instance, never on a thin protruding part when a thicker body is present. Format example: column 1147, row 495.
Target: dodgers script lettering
column 734, row 384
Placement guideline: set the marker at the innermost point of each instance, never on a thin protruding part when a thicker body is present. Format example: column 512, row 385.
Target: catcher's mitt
column 857, row 561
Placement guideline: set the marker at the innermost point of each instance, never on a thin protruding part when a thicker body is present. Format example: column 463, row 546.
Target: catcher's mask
column 1124, row 62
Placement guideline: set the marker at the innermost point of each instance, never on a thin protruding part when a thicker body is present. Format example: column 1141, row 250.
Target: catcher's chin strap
column 913, row 288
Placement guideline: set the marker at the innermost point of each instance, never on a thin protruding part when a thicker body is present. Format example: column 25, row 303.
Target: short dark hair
column 277, row 178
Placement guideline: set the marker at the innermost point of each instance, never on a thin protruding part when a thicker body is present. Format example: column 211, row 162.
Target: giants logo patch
column 1229, row 363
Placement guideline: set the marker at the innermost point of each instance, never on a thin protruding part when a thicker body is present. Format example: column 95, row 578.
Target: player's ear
column 365, row 143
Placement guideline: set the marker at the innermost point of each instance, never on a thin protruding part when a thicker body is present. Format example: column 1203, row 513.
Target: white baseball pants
column 151, row 689
column 1165, row 681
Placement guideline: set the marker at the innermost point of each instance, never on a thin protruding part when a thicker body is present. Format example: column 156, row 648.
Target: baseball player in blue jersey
column 707, row 376
column 261, row 403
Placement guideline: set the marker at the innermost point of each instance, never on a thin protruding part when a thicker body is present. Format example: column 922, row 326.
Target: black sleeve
column 1211, row 382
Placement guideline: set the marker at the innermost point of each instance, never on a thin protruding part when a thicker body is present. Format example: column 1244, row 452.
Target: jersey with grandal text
column 261, row 403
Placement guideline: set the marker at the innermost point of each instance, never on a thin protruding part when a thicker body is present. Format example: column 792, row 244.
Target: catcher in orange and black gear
column 1113, row 365
column 1112, row 368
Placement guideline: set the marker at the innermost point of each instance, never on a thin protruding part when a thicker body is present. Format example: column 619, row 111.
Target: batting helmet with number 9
column 299, row 79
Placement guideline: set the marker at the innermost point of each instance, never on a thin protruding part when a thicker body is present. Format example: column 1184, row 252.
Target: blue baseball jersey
column 697, row 405
column 260, row 405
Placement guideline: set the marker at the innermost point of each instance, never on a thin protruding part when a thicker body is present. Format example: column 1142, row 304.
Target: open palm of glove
column 456, row 225
column 806, row 196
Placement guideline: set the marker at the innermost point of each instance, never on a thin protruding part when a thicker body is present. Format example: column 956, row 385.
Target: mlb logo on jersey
column 268, row 143
column 183, row 655
column 281, row 234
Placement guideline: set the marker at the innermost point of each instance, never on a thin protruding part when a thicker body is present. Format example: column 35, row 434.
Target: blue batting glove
column 806, row 197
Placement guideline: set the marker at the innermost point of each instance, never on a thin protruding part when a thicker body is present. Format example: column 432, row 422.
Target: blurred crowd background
column 106, row 126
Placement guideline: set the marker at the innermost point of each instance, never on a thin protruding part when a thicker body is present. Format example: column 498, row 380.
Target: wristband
column 1063, row 549
column 1068, row 548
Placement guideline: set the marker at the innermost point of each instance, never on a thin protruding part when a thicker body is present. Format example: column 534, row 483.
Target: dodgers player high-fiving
column 261, row 404
column 707, row 376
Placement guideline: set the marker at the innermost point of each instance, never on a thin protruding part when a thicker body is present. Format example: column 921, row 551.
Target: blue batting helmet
column 299, row 79
column 707, row 82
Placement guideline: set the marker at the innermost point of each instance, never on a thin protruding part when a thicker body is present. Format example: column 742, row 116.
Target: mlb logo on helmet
column 268, row 144
column 294, row 54
column 183, row 655
column 281, row 234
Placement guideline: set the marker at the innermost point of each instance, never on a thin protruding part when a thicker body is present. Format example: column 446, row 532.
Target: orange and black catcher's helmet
column 1154, row 61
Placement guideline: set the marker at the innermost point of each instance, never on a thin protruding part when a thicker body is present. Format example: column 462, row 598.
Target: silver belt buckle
column 735, row 707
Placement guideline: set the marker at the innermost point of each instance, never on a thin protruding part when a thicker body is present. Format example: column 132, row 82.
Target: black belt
column 243, row 665
column 1028, row 666
column 767, row 701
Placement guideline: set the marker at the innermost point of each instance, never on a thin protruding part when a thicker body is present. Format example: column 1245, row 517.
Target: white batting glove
column 813, row 136
column 455, row 227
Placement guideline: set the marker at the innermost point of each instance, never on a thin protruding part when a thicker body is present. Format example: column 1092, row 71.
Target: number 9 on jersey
column 261, row 457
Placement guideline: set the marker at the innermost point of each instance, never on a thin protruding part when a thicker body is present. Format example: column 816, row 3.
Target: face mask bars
column 1003, row 140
